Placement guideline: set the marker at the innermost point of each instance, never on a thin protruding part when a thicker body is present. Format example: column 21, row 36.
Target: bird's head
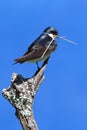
column 51, row 31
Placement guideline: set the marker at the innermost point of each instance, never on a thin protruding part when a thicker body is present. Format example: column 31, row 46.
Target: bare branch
column 21, row 95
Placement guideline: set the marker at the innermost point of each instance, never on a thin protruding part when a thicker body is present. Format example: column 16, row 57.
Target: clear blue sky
column 61, row 101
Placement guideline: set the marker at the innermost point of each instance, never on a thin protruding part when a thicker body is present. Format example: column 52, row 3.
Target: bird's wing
column 35, row 52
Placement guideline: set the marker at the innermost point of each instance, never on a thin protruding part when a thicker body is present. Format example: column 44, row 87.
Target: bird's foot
column 38, row 68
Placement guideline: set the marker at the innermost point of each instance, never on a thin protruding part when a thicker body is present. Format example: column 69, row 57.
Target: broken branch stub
column 21, row 95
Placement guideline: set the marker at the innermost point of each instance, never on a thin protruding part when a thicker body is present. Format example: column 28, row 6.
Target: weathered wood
column 21, row 95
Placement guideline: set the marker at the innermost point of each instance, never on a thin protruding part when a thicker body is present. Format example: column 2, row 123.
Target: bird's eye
column 54, row 32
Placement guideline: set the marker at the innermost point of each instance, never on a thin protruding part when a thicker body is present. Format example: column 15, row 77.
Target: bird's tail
column 18, row 60
column 15, row 63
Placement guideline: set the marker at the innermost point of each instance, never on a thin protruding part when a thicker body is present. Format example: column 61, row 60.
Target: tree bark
column 21, row 95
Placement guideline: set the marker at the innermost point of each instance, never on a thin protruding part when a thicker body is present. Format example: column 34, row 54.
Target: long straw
column 74, row 43
column 70, row 41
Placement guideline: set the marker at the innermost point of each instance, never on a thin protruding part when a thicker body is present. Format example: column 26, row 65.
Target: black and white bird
column 41, row 48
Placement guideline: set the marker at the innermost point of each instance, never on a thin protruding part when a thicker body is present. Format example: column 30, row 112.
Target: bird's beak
column 70, row 41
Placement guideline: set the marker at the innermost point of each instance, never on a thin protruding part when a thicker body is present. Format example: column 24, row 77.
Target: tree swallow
column 41, row 48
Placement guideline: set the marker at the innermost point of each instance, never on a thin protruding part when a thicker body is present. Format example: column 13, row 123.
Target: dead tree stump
column 21, row 95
